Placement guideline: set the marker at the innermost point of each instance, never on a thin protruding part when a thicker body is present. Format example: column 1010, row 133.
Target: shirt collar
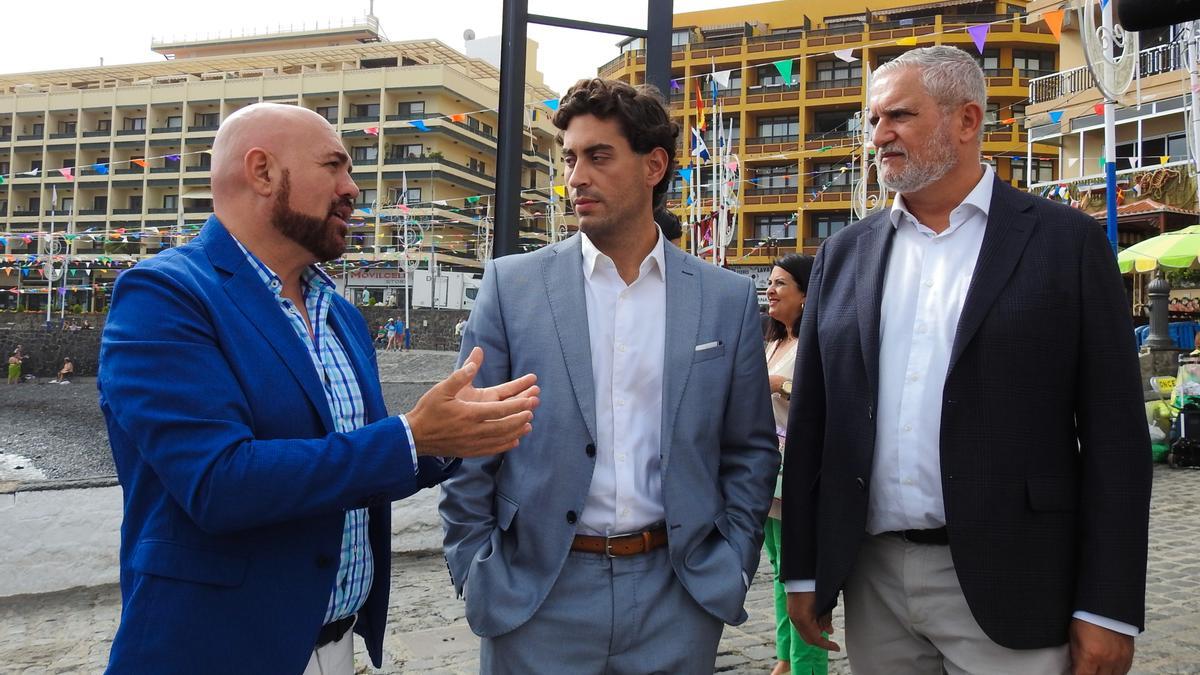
column 592, row 255
column 312, row 277
column 980, row 198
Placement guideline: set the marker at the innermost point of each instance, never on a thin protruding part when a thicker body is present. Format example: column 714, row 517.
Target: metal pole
column 510, row 134
column 1193, row 65
column 659, row 17
column 48, row 267
column 1110, row 145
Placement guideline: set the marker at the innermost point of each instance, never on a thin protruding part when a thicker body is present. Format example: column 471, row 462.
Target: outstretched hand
column 456, row 419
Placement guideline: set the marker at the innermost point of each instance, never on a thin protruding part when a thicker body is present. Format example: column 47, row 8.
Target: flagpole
column 48, row 267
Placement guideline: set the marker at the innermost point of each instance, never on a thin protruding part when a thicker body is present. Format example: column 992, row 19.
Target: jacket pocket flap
column 176, row 561
column 506, row 510
column 1051, row 493
column 713, row 352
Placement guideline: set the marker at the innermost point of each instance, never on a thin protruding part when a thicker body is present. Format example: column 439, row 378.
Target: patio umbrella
column 1177, row 250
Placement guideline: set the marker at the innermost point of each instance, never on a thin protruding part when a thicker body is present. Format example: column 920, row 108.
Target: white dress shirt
column 627, row 329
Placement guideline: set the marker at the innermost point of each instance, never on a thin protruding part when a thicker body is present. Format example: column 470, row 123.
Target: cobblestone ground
column 69, row 632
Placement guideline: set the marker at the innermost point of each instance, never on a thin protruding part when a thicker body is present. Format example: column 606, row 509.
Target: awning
column 197, row 194
column 927, row 5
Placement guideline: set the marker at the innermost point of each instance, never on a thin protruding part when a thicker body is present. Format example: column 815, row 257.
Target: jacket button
column 571, row 517
column 870, row 412
column 324, row 561
column 862, row 484
column 590, row 450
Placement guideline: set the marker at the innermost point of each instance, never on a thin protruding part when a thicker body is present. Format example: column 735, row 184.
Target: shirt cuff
column 412, row 445
column 1104, row 622
column 800, row 586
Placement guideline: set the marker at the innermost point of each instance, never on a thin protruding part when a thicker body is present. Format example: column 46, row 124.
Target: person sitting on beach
column 65, row 373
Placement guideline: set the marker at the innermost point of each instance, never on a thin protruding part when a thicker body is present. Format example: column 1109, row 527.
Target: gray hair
column 949, row 74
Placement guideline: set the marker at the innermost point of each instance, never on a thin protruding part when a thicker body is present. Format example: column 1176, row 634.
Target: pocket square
column 708, row 345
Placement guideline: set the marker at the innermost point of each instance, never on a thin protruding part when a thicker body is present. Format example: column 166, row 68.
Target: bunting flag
column 459, row 117
column 473, row 200
column 979, row 35
column 419, row 124
column 551, row 103
column 1008, row 120
column 561, row 191
column 1103, row 162
column 440, row 202
column 700, row 108
column 101, row 169
column 1, row 180
column 1103, row 4
column 907, row 42
column 675, row 85
column 699, row 149
column 1056, row 116
column 1134, row 161
column 721, row 77
column 784, row 66
column 371, row 131
column 32, row 172
column 172, row 158
column 1098, row 108
column 1163, row 159
column 1071, row 161
column 732, row 165
column 827, row 148
column 846, row 55
column 1054, row 23
column 139, row 162
column 66, row 173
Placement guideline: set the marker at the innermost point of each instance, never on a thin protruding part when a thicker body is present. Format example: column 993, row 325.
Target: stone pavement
column 69, row 632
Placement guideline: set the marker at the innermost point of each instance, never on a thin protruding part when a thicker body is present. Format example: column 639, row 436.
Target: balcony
column 131, row 169
column 29, row 137
column 165, row 209
column 93, row 212
column 197, row 209
column 95, row 134
column 127, row 212
column 203, row 127
column 5, row 138
column 199, row 167
column 165, row 169
column 166, row 130
column 835, row 84
column 407, row 116
column 55, row 137
column 360, row 120
column 25, row 214
column 1153, row 61
column 791, row 139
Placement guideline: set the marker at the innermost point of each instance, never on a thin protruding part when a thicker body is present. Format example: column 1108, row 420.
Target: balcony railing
column 1155, row 60
column 29, row 137
column 764, row 191
column 130, row 132
column 22, row 214
column 127, row 212
column 769, row 140
column 849, row 28
column 93, row 212
column 203, row 127
column 835, row 84
column 99, row 132
column 166, row 130
column 831, row 135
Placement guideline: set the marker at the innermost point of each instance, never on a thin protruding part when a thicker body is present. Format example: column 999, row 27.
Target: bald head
column 274, row 128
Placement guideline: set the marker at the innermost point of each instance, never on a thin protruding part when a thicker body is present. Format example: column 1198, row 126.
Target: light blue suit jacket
column 507, row 533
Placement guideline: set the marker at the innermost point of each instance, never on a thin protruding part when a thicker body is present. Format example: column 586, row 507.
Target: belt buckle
column 608, row 547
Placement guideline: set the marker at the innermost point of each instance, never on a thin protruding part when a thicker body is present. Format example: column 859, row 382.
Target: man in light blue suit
column 623, row 532
column 254, row 449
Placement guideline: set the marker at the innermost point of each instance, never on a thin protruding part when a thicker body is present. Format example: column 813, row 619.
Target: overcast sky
column 76, row 33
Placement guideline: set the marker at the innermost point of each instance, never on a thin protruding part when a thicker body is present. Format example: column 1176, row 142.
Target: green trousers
column 789, row 646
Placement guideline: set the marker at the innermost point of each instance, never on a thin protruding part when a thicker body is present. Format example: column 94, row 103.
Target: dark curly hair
column 639, row 110
column 799, row 267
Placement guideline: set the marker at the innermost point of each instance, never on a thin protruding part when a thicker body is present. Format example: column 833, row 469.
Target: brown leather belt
column 622, row 545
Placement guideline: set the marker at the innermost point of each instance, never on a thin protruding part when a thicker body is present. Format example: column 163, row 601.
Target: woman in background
column 785, row 302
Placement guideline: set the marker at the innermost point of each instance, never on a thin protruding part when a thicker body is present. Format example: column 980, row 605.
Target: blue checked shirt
column 356, row 567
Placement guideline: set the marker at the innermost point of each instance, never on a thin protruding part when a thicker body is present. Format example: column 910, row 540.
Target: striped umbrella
column 1178, row 250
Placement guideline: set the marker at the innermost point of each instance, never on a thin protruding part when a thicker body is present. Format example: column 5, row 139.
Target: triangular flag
column 1056, row 116
column 473, row 200
column 1072, row 160
column 1163, row 159
column 1098, row 108
column 979, row 35
column 461, row 118
column 732, row 165
column 66, row 173
column 675, row 85
column 722, row 78
column 32, row 172
column 827, row 148
column 785, row 70
column 420, row 124
column 1, row 180
column 1103, row 4
column 172, row 158
column 1103, row 162
column 1009, row 120
column 440, row 202
column 699, row 148
column 907, row 42
column 846, row 55
column 101, row 169
column 1054, row 22
column 551, row 103
column 1134, row 161
column 561, row 191
column 139, row 162
column 371, row 131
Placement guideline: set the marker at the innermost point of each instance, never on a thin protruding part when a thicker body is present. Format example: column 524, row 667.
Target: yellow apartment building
column 1156, row 179
column 800, row 143
column 103, row 166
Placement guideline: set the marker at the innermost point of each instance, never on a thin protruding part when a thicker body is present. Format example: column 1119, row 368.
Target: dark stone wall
column 46, row 347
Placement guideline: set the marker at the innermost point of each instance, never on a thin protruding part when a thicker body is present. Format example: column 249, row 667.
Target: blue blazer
column 235, row 484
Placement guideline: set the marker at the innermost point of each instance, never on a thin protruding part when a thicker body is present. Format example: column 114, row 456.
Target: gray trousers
column 610, row 615
column 906, row 614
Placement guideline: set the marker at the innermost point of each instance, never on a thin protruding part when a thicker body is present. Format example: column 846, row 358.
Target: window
column 365, row 153
column 329, row 112
column 768, row 76
column 1043, row 171
column 135, row 123
column 170, row 201
column 825, row 224
column 135, row 203
column 103, row 125
column 989, row 61
column 775, row 226
column 210, row 119
column 833, row 120
column 476, row 165
column 839, row 71
column 833, row 173
column 487, row 130
column 6, row 130
column 777, row 178
column 1177, row 147
column 676, row 188
column 1033, row 63
column 175, row 121
column 35, row 164
column 204, row 160
column 633, row 45
column 4, row 168
column 68, row 163
column 66, row 127
column 367, row 198
column 67, row 205
column 35, row 203
column 681, row 37
column 366, row 110
column 411, row 108
column 398, row 196
column 100, row 203
column 411, row 151
column 473, row 123
column 779, row 127
column 39, row 129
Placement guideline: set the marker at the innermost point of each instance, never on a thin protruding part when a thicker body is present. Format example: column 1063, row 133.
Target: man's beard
column 936, row 159
column 316, row 235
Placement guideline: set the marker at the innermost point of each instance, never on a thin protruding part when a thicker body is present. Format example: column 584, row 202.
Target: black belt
column 937, row 537
column 332, row 632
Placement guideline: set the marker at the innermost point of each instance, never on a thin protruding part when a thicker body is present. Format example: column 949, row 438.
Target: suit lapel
column 247, row 292
column 874, row 247
column 684, row 304
column 1008, row 228
column 562, row 272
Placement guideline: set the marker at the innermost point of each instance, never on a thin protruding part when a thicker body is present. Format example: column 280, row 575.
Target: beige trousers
column 335, row 658
column 905, row 613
